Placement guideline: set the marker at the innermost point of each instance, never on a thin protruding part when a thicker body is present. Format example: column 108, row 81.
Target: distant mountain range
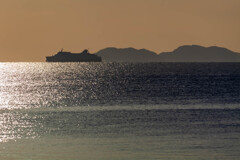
column 187, row 53
column 127, row 55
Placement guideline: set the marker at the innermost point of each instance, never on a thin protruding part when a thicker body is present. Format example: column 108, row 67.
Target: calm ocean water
column 119, row 111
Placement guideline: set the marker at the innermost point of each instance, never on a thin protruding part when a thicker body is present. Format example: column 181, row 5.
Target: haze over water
column 113, row 111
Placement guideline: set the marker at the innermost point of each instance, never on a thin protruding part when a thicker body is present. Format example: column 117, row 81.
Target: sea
column 119, row 111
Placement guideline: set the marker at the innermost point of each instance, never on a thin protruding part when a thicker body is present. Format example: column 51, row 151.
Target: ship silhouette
column 63, row 56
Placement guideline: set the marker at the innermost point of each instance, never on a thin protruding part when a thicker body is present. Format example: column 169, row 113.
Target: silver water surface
column 119, row 111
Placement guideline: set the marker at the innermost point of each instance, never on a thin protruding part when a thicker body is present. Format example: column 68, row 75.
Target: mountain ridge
column 127, row 55
column 185, row 53
column 197, row 53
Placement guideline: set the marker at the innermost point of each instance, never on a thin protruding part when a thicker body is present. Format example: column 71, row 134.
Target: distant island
column 186, row 53
column 63, row 56
column 127, row 55
column 196, row 53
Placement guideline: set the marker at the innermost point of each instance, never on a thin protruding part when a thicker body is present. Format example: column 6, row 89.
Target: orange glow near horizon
column 31, row 30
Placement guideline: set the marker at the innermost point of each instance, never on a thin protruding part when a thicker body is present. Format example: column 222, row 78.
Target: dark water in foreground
column 118, row 111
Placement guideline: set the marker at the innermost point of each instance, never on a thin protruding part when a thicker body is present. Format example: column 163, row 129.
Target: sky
column 33, row 29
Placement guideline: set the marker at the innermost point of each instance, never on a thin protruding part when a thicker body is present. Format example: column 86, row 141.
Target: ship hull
column 73, row 57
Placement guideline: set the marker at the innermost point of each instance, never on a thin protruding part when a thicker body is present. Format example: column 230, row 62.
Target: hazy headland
column 186, row 53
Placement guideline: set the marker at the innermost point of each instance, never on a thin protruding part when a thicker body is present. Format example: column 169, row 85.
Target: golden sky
column 33, row 29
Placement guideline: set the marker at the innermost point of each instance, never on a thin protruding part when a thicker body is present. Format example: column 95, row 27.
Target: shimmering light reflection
column 15, row 126
column 2, row 103
column 165, row 105
column 22, row 85
column 120, row 134
column 54, row 85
